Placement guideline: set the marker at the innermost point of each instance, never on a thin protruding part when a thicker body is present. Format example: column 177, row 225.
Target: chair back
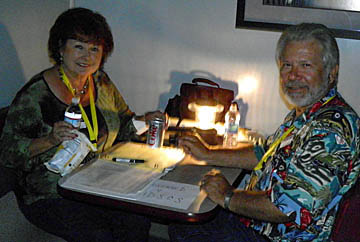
column 3, row 113
column 347, row 223
column 7, row 175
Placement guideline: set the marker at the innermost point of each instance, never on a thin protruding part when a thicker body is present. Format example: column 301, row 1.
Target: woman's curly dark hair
column 81, row 24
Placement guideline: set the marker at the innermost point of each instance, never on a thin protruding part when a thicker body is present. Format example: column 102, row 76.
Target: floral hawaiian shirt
column 311, row 169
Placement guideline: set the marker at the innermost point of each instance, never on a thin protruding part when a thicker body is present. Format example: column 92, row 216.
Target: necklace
column 93, row 130
column 74, row 91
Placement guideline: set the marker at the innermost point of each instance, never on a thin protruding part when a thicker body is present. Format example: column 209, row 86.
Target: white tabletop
column 156, row 160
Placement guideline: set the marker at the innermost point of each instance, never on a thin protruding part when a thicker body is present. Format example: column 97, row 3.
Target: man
column 302, row 171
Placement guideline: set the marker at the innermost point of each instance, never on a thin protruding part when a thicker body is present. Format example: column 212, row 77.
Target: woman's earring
column 61, row 59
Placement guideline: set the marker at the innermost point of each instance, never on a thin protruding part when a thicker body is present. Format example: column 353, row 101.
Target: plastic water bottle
column 232, row 122
column 73, row 113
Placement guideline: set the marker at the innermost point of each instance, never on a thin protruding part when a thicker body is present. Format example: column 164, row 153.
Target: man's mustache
column 295, row 84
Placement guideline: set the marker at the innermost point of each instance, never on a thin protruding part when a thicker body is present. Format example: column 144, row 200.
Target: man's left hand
column 216, row 186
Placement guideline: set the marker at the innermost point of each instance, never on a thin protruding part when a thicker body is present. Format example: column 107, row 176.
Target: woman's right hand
column 61, row 131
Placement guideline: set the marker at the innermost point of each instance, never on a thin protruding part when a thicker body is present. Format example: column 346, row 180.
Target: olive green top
column 33, row 113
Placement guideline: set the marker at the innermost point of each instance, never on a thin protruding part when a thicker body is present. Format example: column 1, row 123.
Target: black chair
column 7, row 175
column 7, row 180
column 3, row 113
column 347, row 222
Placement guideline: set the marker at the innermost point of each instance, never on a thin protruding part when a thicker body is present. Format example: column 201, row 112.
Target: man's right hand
column 193, row 146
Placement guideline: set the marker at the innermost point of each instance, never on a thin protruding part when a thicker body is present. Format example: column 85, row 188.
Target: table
column 200, row 210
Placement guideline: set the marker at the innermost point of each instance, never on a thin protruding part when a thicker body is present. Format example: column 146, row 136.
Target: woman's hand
column 61, row 131
column 153, row 115
column 193, row 146
column 216, row 186
column 156, row 114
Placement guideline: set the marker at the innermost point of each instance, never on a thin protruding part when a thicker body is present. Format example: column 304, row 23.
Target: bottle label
column 73, row 118
column 72, row 115
column 232, row 128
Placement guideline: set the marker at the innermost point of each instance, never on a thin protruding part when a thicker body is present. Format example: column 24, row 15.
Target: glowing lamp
column 205, row 113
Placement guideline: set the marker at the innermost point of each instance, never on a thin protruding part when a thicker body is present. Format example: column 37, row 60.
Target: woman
column 80, row 42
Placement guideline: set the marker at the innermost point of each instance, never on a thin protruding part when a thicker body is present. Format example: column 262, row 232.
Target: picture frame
column 253, row 14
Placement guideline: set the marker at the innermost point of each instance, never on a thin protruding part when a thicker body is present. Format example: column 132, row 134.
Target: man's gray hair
column 312, row 31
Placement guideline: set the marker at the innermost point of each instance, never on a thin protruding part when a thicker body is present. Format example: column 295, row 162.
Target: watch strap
column 229, row 194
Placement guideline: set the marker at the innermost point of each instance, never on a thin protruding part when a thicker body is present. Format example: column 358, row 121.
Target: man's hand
column 194, row 147
column 253, row 204
column 216, row 186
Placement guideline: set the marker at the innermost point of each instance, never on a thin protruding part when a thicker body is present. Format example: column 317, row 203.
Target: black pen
column 127, row 160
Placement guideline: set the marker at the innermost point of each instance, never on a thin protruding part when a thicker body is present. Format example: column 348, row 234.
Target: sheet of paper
column 111, row 179
column 170, row 194
column 140, row 126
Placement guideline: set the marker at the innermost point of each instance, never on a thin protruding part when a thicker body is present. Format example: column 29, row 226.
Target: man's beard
column 312, row 95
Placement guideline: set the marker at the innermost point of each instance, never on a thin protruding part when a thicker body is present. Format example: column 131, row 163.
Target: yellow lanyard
column 93, row 132
column 272, row 148
column 277, row 142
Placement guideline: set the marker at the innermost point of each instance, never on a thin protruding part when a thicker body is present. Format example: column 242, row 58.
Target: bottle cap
column 234, row 106
column 75, row 100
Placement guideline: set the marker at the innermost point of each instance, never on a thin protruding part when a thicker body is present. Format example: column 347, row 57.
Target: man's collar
column 331, row 93
column 314, row 107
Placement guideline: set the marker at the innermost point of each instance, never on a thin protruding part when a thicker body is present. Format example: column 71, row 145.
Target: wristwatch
column 227, row 199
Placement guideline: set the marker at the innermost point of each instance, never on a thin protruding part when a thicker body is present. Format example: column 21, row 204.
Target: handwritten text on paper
column 171, row 194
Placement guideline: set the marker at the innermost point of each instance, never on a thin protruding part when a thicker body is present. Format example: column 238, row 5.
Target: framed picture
column 342, row 17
